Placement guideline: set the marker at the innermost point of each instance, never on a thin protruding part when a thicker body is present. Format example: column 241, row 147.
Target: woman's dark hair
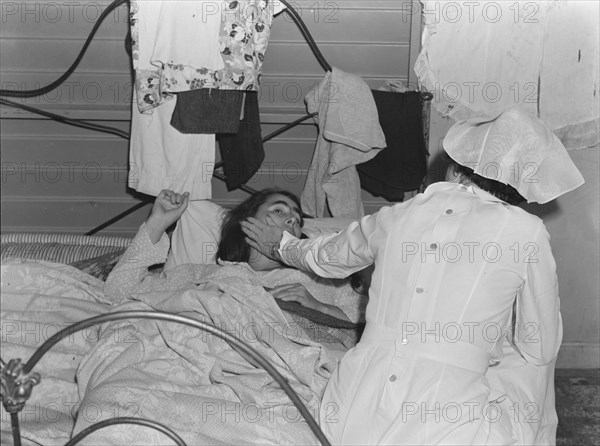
column 360, row 281
column 499, row 190
column 232, row 245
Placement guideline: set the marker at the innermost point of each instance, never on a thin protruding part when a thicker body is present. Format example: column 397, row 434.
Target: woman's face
column 283, row 211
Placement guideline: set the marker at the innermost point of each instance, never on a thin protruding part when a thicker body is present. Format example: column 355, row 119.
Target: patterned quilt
column 197, row 384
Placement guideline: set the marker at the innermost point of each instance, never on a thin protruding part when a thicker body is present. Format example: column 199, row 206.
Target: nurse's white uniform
column 450, row 266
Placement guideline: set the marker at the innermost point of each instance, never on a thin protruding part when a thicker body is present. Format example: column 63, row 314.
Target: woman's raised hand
column 167, row 209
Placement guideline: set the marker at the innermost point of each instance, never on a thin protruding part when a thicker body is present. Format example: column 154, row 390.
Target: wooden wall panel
column 64, row 179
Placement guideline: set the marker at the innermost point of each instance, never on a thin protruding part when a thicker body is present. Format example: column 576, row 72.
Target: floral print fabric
column 244, row 31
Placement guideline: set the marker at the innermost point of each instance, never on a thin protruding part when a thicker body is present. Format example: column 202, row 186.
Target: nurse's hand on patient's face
column 262, row 236
column 167, row 209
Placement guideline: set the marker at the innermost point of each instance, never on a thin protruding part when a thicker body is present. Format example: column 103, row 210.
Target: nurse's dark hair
column 232, row 244
column 499, row 190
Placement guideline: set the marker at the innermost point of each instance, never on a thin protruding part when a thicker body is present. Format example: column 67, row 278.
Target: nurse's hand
column 264, row 237
column 167, row 209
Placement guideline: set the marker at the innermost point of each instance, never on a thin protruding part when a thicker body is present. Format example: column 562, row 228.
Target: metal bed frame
column 17, row 379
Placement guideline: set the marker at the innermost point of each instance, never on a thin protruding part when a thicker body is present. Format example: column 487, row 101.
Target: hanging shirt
column 450, row 264
column 349, row 134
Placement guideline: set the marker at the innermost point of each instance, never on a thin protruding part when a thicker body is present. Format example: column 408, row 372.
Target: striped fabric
column 62, row 248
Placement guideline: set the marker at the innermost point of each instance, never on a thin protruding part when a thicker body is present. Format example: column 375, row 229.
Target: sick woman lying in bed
column 195, row 383
column 200, row 385
column 335, row 298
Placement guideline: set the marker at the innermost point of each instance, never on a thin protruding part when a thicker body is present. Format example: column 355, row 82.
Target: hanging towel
column 402, row 165
column 349, row 131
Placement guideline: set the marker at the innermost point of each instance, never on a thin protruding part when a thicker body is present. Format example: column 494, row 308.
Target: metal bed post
column 17, row 379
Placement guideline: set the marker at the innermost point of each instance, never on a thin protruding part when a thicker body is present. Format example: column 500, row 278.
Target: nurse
column 458, row 270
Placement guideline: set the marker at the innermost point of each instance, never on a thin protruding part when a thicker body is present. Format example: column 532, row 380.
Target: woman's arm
column 296, row 292
column 334, row 256
column 538, row 329
column 149, row 247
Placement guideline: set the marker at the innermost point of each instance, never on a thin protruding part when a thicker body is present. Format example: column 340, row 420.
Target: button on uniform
column 393, row 378
column 419, row 289
column 449, row 211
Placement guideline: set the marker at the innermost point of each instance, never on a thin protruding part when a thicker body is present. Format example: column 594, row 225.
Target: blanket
column 195, row 383
column 38, row 300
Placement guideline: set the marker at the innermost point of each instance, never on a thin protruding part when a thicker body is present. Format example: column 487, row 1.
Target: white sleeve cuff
column 285, row 244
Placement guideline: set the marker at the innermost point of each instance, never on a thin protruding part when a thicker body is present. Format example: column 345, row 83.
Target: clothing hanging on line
column 242, row 152
column 180, row 46
column 208, row 111
column 235, row 118
column 349, row 134
column 401, row 166
column 199, row 44
column 160, row 157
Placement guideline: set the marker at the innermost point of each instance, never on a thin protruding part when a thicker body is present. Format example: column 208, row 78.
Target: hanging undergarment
column 242, row 152
column 401, row 166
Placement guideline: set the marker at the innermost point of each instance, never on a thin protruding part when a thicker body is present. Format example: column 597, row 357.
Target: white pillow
column 196, row 236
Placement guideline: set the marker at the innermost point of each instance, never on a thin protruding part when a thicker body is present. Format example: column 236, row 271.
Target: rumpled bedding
column 194, row 382
column 38, row 299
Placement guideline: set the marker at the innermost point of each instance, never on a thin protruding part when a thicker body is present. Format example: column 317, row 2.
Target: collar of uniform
column 446, row 185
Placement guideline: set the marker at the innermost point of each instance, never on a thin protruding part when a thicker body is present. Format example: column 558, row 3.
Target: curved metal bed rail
column 126, row 420
column 17, row 380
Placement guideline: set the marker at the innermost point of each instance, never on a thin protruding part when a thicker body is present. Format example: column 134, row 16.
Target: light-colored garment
column 526, row 391
column 482, row 58
column 187, row 45
column 160, row 157
column 180, row 46
column 450, row 264
column 349, row 134
column 517, row 149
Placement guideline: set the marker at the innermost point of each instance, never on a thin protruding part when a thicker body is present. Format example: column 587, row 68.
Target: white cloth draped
column 480, row 58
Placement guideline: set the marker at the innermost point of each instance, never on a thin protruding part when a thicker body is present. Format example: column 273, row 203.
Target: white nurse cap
column 517, row 149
